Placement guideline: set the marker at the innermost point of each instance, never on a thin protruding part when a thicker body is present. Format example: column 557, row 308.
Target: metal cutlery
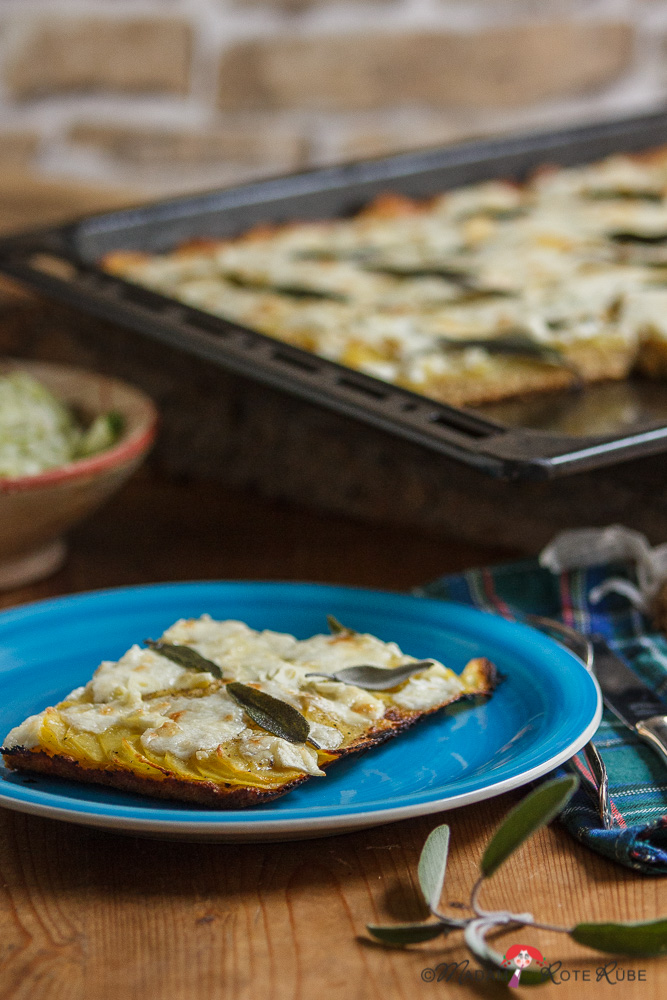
column 624, row 693
column 584, row 649
column 629, row 698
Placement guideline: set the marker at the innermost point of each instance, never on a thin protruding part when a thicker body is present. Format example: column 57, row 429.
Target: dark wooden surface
column 160, row 530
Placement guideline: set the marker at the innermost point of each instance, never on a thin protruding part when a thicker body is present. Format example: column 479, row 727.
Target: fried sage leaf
column 293, row 290
column 337, row 628
column 373, row 678
column 516, row 344
column 636, row 236
column 464, row 280
column 185, row 656
column 270, row 713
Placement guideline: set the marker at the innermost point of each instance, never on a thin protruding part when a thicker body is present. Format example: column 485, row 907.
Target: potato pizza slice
column 219, row 714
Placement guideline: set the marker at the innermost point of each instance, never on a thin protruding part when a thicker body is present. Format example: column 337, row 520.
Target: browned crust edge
column 205, row 793
column 223, row 795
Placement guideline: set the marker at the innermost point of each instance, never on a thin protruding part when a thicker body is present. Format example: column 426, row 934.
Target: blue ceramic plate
column 546, row 708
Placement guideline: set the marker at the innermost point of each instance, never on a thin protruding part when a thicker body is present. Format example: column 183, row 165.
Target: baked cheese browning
column 574, row 258
column 147, row 723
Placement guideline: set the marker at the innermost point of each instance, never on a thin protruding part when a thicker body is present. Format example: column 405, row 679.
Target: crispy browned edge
column 208, row 793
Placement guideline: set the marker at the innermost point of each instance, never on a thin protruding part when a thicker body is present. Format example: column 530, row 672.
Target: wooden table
column 94, row 916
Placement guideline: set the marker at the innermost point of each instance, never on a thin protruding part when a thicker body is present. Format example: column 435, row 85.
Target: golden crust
column 392, row 206
column 204, row 793
column 481, row 678
column 514, row 377
column 122, row 262
column 505, row 380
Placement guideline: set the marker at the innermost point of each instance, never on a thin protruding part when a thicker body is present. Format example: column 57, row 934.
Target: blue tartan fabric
column 637, row 777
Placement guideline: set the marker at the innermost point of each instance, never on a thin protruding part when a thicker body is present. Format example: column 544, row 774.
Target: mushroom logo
column 519, row 957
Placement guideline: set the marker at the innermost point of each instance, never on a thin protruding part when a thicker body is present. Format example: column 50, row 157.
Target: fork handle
column 654, row 732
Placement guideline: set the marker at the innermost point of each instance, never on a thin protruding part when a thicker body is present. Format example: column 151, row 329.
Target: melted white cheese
column 267, row 751
column 195, row 724
column 27, row 734
column 141, row 672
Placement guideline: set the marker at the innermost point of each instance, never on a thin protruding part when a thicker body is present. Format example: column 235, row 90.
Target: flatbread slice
column 179, row 718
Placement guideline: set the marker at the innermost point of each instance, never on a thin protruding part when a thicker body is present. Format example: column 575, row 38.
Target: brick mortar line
column 233, row 22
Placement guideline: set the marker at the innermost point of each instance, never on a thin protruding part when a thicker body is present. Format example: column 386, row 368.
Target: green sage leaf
column 464, row 280
column 270, row 713
column 649, row 938
column 373, row 678
column 635, row 236
column 623, row 194
column 319, row 254
column 336, row 628
column 433, row 865
column 401, row 934
column 294, row 291
column 185, row 656
column 454, row 274
column 536, row 810
column 515, row 344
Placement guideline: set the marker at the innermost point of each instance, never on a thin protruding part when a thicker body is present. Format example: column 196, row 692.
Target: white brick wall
column 95, row 131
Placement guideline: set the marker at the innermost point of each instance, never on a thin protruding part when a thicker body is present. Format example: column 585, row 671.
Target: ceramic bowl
column 36, row 511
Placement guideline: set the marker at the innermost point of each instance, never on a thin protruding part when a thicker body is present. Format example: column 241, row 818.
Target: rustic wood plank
column 91, row 915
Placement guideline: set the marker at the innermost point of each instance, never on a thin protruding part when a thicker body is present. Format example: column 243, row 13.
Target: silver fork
column 582, row 647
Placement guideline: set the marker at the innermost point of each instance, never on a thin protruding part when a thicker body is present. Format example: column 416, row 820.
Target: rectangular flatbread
column 479, row 294
column 222, row 715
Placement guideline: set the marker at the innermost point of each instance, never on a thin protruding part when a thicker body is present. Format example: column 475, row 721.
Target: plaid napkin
column 637, row 778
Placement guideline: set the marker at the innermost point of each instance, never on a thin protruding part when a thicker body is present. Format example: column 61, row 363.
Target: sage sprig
column 185, row 656
column 534, row 811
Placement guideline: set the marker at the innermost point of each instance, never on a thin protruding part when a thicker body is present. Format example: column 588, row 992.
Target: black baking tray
column 534, row 438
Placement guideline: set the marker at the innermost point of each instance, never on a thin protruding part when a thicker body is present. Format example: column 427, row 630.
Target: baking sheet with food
column 578, row 326
column 487, row 292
